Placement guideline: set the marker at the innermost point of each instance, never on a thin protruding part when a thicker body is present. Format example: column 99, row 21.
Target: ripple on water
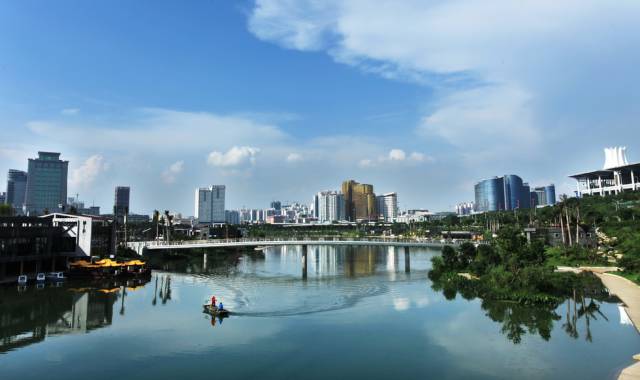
column 257, row 296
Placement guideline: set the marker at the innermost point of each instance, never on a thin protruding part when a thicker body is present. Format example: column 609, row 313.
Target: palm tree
column 156, row 220
column 168, row 225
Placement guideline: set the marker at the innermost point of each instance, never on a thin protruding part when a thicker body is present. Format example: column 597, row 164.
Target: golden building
column 359, row 201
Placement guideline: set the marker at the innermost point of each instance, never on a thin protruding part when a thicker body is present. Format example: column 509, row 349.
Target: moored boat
column 107, row 268
column 22, row 279
column 40, row 277
column 55, row 276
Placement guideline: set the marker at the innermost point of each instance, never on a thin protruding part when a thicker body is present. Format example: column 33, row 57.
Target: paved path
column 629, row 293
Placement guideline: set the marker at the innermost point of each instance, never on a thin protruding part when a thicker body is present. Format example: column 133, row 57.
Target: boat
column 55, row 276
column 40, row 277
column 214, row 311
column 22, row 279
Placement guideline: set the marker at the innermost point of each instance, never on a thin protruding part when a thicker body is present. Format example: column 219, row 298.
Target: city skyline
column 294, row 110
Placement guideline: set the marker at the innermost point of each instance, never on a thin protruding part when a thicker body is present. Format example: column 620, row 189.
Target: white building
column 465, row 208
column 209, row 205
column 616, row 176
column 387, row 206
column 330, row 206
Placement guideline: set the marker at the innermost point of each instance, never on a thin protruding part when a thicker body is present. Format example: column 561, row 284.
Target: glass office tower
column 490, row 194
column 502, row 193
column 46, row 184
column 16, row 189
column 550, row 192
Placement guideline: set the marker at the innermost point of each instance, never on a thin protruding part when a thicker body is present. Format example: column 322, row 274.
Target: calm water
column 358, row 314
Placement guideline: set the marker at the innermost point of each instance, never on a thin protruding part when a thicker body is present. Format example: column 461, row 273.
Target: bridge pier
column 407, row 260
column 305, row 249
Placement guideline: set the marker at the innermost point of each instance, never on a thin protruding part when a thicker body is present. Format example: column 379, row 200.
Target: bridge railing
column 300, row 240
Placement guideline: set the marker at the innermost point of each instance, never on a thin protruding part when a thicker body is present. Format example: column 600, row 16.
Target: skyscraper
column 544, row 195
column 330, row 206
column 490, row 194
column 209, row 204
column 16, row 189
column 276, row 205
column 359, row 200
column 46, row 184
column 502, row 193
column 387, row 206
column 550, row 191
column 121, row 203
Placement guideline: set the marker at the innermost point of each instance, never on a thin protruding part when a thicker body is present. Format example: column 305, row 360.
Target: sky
column 280, row 99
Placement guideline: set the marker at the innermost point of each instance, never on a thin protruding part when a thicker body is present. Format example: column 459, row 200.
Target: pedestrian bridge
column 141, row 246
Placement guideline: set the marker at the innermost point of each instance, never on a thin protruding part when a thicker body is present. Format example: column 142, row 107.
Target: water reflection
column 315, row 262
column 30, row 314
column 518, row 320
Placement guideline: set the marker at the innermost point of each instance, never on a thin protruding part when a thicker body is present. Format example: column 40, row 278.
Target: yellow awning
column 134, row 263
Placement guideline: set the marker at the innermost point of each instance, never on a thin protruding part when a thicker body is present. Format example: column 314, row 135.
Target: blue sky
column 279, row 99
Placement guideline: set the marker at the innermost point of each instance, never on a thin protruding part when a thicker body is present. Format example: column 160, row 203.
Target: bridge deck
column 232, row 243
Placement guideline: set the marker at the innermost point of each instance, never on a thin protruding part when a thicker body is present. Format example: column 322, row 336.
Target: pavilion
column 616, row 176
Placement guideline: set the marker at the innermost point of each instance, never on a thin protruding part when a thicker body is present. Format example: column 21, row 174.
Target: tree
column 6, row 210
column 450, row 257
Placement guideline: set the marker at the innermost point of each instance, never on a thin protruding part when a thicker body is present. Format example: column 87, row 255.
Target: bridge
column 141, row 246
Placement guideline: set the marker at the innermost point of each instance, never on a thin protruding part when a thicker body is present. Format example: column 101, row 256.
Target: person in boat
column 213, row 301
column 221, row 307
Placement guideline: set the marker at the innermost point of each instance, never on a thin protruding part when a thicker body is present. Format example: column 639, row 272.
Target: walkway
column 629, row 293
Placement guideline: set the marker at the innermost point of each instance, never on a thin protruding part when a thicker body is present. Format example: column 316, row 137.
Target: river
column 361, row 312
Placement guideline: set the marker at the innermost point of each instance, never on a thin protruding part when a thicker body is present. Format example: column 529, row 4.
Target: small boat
column 55, row 276
column 213, row 310
column 22, row 279
column 40, row 277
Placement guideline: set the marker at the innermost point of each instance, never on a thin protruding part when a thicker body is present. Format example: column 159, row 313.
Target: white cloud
column 397, row 156
column 365, row 163
column 419, row 157
column 234, row 157
column 150, row 128
column 494, row 118
column 294, row 157
column 170, row 174
column 505, row 74
column 70, row 111
column 88, row 172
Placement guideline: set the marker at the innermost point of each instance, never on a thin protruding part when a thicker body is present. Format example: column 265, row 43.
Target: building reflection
column 29, row 316
column 353, row 261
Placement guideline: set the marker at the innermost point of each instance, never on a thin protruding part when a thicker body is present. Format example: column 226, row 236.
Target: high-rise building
column 387, row 205
column 316, row 206
column 360, row 201
column 16, row 189
column 121, row 203
column 232, row 217
column 550, row 191
column 330, row 206
column 544, row 195
column 277, row 206
column 209, row 205
column 46, row 184
column 490, row 194
column 502, row 193
column 465, row 208
column 3, row 198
